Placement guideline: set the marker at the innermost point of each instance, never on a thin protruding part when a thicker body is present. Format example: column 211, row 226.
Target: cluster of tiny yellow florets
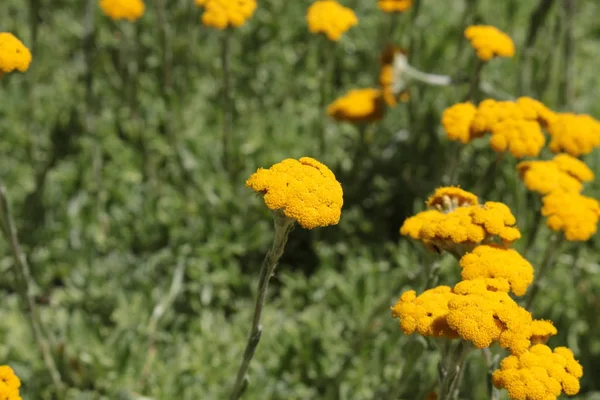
column 358, row 106
column 394, row 6
column 576, row 134
column 9, row 384
column 330, row 18
column 572, row 213
column 123, row 9
column 562, row 173
column 222, row 14
column 514, row 126
column 539, row 374
column 13, row 54
column 489, row 41
column 304, row 190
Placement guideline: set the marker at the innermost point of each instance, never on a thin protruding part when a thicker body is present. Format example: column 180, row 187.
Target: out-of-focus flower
column 563, row 173
column 489, row 41
column 394, row 6
column 123, row 9
column 392, row 85
column 520, row 137
column 13, row 54
column 358, row 106
column 576, row 134
column 425, row 314
column 449, row 198
column 491, row 112
column 222, row 14
column 535, row 109
column 457, row 120
column 304, row 190
column 9, row 384
column 502, row 269
column 572, row 213
column 330, row 18
column 539, row 373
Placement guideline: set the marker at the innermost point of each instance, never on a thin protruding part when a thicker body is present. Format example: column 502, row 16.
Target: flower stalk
column 452, row 368
column 227, row 107
column 283, row 226
column 552, row 251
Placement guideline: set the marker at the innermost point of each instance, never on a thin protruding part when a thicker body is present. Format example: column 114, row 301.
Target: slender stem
column 475, row 81
column 326, row 84
column 227, row 107
column 552, row 251
column 283, row 226
column 487, row 181
column 568, row 75
column 25, row 286
column 491, row 363
column 452, row 370
column 534, row 229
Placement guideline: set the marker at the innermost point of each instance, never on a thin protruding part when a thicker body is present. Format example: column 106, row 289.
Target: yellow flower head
column 574, row 214
column 490, row 42
column 541, row 331
column 9, row 384
column 535, row 109
column 574, row 134
column 305, row 190
column 574, row 167
column 563, row 173
column 425, row 314
column 457, row 122
column 357, row 106
column 520, row 137
column 497, row 220
column 502, row 269
column 491, row 112
column 394, row 6
column 539, row 373
column 449, row 198
column 330, row 18
column 123, row 9
column 13, row 54
column 222, row 14
column 483, row 317
column 412, row 226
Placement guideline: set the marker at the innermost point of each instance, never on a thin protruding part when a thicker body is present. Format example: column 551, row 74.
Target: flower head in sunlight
column 221, row 14
column 394, row 6
column 539, row 373
column 541, row 331
column 457, row 120
column 491, row 112
column 563, row 173
column 426, row 313
column 13, row 54
column 574, row 167
column 9, row 384
column 502, row 269
column 520, row 137
column 123, row 9
column 449, row 198
column 330, row 18
column 304, row 190
column 572, row 213
column 535, row 109
column 358, row 106
column 576, row 134
column 489, row 42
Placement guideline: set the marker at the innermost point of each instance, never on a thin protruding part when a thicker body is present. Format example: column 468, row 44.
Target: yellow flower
column 457, row 122
column 393, row 6
column 9, row 384
column 539, row 374
column 519, row 136
column 497, row 220
column 491, row 112
column 574, row 214
column 542, row 330
column 574, row 167
column 357, row 106
column 425, row 314
column 490, row 42
column 535, row 109
column 221, row 14
column 305, row 190
column 449, row 198
column 563, row 173
column 483, row 317
column 387, row 76
column 502, row 269
column 123, row 9
column 330, row 18
column 8, row 393
column 13, row 54
column 412, row 226
column 574, row 134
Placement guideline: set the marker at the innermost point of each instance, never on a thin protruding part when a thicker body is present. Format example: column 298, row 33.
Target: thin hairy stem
column 283, row 226
column 452, row 369
column 552, row 251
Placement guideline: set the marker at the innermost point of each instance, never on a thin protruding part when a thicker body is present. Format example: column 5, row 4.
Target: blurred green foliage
column 110, row 151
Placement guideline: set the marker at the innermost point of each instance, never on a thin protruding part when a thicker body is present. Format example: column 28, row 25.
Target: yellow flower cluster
column 572, row 213
column 358, row 106
column 489, row 41
column 563, row 173
column 458, row 222
column 222, row 14
column 123, row 9
column 539, row 373
column 394, row 6
column 305, row 190
column 576, row 134
column 387, row 78
column 13, row 54
column 457, row 121
column 9, row 384
column 330, row 18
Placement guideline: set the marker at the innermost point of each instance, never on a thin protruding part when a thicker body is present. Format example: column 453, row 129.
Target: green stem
column 452, row 370
column 486, row 183
column 552, row 251
column 326, row 80
column 473, row 92
column 283, row 226
column 227, row 108
column 568, row 76
column 492, row 364
column 25, row 286
column 534, row 229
